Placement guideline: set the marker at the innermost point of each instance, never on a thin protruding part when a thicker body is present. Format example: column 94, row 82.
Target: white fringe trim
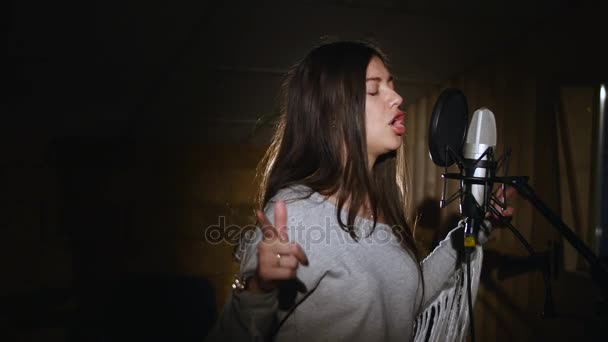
column 447, row 317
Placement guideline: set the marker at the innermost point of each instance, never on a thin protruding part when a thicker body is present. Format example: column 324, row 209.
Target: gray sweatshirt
column 351, row 291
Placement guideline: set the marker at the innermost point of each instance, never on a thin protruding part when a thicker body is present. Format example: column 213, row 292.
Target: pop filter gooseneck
column 448, row 127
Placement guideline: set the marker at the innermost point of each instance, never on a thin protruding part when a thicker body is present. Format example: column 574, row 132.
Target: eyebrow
column 390, row 78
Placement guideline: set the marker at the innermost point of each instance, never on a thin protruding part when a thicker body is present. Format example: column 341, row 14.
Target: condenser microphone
column 479, row 167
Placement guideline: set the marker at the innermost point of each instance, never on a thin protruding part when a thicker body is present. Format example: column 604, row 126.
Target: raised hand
column 278, row 259
column 507, row 212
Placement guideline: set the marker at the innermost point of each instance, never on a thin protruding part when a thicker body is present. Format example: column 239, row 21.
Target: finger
column 499, row 200
column 499, row 192
column 508, row 192
column 499, row 206
column 294, row 249
column 494, row 212
column 289, row 261
column 268, row 231
column 280, row 220
column 269, row 260
column 503, row 217
column 508, row 212
column 277, row 273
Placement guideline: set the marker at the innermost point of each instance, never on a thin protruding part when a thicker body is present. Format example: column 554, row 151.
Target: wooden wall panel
column 220, row 193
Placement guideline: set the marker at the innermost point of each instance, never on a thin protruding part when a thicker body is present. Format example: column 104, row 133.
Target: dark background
column 129, row 126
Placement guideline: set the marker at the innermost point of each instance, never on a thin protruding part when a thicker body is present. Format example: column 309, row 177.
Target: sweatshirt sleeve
column 247, row 316
column 254, row 317
column 439, row 266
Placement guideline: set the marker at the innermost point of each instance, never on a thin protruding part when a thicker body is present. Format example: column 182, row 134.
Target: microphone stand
column 599, row 270
column 549, row 308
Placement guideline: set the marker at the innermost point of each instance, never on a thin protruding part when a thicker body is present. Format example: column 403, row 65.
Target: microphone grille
column 483, row 128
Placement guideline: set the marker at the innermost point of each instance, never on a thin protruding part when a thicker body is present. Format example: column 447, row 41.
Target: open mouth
column 397, row 119
column 397, row 123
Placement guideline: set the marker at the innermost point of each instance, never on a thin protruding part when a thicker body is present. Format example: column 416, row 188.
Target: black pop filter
column 448, row 126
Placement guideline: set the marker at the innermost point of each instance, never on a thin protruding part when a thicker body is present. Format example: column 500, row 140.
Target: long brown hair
column 320, row 141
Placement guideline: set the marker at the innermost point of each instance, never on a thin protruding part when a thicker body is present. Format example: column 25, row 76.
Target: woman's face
column 383, row 118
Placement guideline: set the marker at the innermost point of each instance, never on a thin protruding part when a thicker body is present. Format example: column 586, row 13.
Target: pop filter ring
column 448, row 126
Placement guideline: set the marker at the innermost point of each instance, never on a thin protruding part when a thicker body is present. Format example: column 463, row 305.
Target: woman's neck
column 365, row 211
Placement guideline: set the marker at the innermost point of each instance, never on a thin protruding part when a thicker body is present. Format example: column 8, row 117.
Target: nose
column 395, row 99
